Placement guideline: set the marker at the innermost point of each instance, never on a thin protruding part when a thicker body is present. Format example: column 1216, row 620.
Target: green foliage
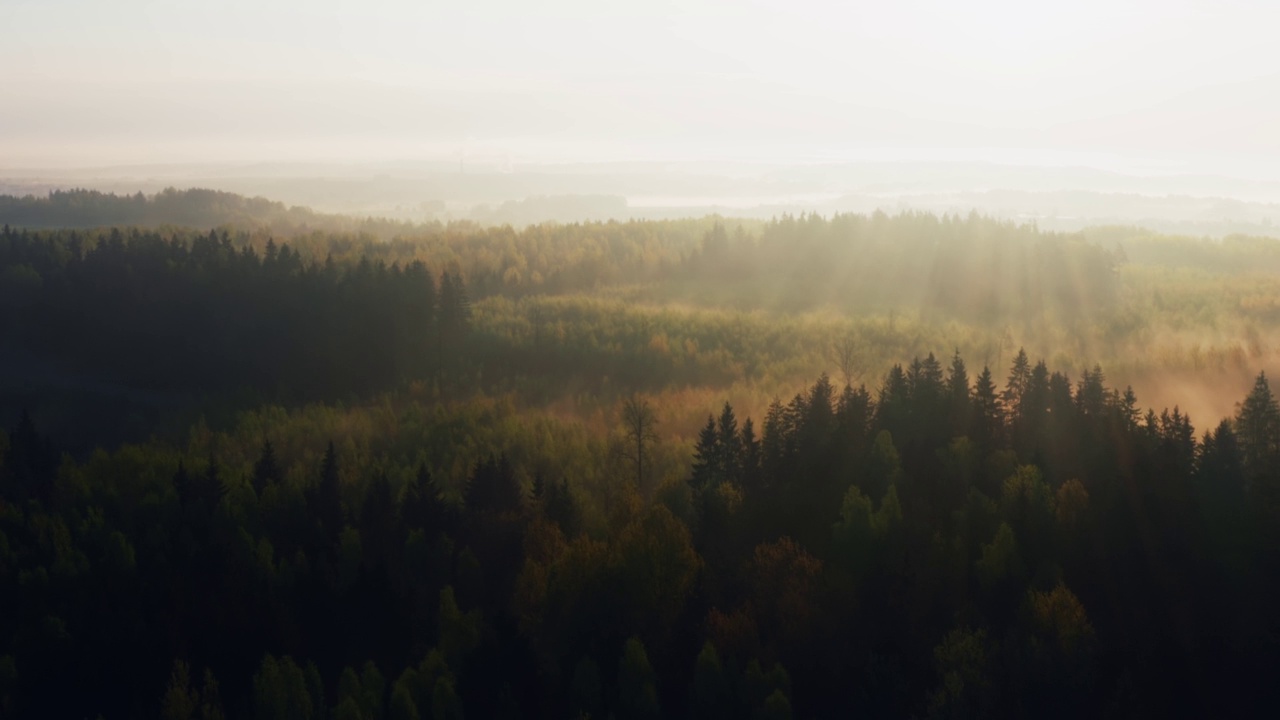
column 637, row 691
column 776, row 707
column 445, row 704
column 280, row 691
column 963, row 664
column 619, row 364
column 459, row 634
column 403, row 706
column 1001, row 559
column 712, row 694
column 180, row 700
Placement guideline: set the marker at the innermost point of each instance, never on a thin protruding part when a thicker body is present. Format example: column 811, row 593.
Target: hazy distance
column 746, row 98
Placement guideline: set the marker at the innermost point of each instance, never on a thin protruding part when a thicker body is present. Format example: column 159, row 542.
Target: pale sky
column 1181, row 86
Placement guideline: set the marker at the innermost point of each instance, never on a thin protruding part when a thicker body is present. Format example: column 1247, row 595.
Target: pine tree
column 637, row 690
column 818, row 413
column 563, row 510
column 455, row 310
column 208, row 490
column 958, row 396
column 750, row 457
column 706, row 457
column 711, row 696
column 1127, row 406
column 493, row 487
column 377, row 515
column 180, row 700
column 1257, row 426
column 422, row 507
column 729, row 446
column 538, row 491
column 266, row 471
column 1019, row 377
column 1221, row 467
column 893, row 404
column 773, row 444
column 327, row 499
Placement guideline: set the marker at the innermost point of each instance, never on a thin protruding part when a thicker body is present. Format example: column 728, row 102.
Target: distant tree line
column 201, row 315
column 325, row 316
column 975, row 268
column 193, row 208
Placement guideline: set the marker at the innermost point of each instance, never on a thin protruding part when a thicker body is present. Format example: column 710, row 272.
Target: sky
column 1160, row 86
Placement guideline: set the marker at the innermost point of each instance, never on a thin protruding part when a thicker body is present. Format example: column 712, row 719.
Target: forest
column 869, row 465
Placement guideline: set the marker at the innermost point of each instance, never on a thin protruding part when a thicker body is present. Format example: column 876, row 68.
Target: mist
column 407, row 359
column 1152, row 87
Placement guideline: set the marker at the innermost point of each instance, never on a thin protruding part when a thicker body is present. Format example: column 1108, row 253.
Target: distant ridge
column 194, row 208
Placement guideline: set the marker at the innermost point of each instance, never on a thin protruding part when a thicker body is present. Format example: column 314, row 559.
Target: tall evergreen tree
column 377, row 518
column 751, row 456
column 422, row 507
column 327, row 494
column 1257, row 426
column 493, row 487
column 958, row 396
column 266, row 471
column 987, row 421
column 706, row 457
column 1019, row 378
column 729, row 446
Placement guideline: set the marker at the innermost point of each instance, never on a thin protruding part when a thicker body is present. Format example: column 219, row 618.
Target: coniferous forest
column 868, row 466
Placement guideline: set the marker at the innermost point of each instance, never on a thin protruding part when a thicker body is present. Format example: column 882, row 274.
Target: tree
column 845, row 353
column 459, row 634
column 958, row 396
column 751, row 457
column 266, row 471
column 653, row 566
column 403, row 706
column 766, row 693
column 1001, row 560
column 377, row 517
column 1060, row 653
column 706, row 457
column 1019, row 378
column 455, row 310
column 987, row 423
column 327, row 494
column 202, row 493
column 1221, row 467
column 493, row 487
column 1257, row 426
column 280, row 691
column 563, row 510
column 712, row 696
column 373, row 688
column 637, row 684
column 538, row 489
column 729, row 445
column 964, row 666
column 421, row 506
column 445, row 703
column 639, row 427
column 776, row 707
column 180, row 700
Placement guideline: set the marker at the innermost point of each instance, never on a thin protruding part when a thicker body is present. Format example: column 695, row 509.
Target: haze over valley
column 420, row 360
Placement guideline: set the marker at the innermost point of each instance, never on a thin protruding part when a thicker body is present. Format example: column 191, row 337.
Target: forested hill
column 460, row 473
column 195, row 208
